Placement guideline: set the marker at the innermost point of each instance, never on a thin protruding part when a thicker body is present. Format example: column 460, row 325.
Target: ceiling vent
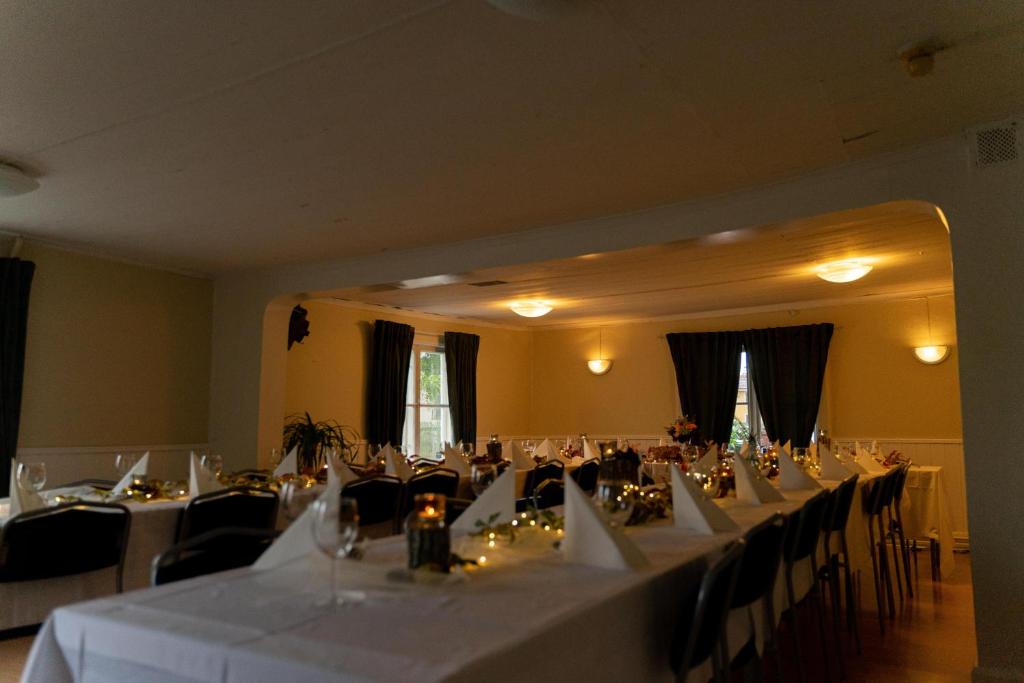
column 996, row 144
column 487, row 283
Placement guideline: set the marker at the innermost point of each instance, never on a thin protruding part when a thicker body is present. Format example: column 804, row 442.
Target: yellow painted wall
column 117, row 354
column 874, row 385
column 327, row 372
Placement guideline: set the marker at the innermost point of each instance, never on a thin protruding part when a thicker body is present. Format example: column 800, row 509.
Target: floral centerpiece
column 681, row 429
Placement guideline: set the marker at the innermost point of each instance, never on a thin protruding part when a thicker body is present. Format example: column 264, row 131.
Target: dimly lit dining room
column 511, row 340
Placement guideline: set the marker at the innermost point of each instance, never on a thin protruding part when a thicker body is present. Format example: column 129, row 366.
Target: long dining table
column 524, row 615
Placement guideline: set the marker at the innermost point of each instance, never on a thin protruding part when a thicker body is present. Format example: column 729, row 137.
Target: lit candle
column 430, row 506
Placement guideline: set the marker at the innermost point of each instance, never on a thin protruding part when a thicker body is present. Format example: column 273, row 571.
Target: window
column 428, row 422
column 747, row 419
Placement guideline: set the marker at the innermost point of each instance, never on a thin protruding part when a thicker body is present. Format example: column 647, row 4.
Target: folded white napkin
column 751, row 488
column 874, row 447
column 289, row 464
column 708, row 462
column 788, row 447
column 200, row 481
column 745, row 451
column 297, row 540
column 588, row 538
column 395, row 464
column 453, row 460
column 547, row 450
column 693, row 510
column 589, row 452
column 520, row 460
column 868, row 462
column 499, row 497
column 23, row 500
column 140, row 468
column 339, row 473
column 791, row 477
column 831, row 468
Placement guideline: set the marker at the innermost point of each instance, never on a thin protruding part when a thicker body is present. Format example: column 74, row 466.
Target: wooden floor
column 931, row 640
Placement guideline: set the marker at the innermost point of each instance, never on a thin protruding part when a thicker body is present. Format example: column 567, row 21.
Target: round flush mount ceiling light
column 530, row 309
column 846, row 270
column 14, row 181
column 931, row 355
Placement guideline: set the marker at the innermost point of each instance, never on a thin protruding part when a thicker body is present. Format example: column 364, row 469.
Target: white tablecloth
column 534, row 617
column 927, row 515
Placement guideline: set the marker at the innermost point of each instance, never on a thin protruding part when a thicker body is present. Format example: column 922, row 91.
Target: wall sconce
column 931, row 355
column 599, row 365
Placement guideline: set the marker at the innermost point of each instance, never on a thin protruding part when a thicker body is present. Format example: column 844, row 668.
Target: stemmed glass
column 335, row 530
column 31, row 476
column 295, row 498
column 482, row 475
column 123, row 462
column 615, row 497
column 529, row 448
column 213, row 464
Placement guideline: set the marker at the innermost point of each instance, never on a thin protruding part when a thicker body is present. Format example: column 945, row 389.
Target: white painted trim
column 71, row 450
column 868, row 439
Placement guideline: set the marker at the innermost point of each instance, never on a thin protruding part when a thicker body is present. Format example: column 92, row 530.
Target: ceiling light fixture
column 531, row 308
column 599, row 365
column 931, row 354
column 846, row 270
column 14, row 181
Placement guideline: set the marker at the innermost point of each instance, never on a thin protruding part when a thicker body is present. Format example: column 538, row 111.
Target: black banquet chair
column 586, row 475
column 438, row 480
column 214, row 551
column 65, row 540
column 377, row 496
column 553, row 469
column 549, row 493
column 238, row 507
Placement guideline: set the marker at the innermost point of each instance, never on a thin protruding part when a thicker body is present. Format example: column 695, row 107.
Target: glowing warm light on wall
column 846, row 270
column 931, row 355
column 531, row 308
column 599, row 366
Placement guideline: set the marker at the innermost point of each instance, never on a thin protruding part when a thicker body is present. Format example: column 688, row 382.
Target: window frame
column 420, row 346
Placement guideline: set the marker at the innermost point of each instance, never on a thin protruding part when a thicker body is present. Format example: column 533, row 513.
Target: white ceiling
column 765, row 268
column 224, row 135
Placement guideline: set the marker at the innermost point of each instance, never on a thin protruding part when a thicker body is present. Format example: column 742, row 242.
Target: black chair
column 549, row 493
column 377, row 496
column 65, row 540
column 839, row 559
column 877, row 495
column 214, row 551
column 553, row 469
column 437, row 480
column 453, row 509
column 802, row 539
column 700, row 631
column 586, row 475
column 240, row 507
column 255, row 475
column 103, row 484
column 896, row 533
column 756, row 582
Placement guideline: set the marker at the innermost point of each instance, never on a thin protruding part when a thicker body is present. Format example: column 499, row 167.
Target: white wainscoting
column 67, row 464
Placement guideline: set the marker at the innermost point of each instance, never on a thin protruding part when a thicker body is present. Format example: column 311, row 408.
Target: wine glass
column 213, row 464
column 31, row 476
column 529, row 448
column 615, row 499
column 295, row 498
column 275, row 458
column 482, row 475
column 335, row 530
column 123, row 462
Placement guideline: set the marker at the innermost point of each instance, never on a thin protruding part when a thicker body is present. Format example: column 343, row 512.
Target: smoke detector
column 919, row 58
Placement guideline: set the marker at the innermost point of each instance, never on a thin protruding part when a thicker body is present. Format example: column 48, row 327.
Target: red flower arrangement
column 681, row 428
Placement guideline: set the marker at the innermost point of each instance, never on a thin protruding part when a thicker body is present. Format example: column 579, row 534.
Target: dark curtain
column 708, row 377
column 391, row 352
column 15, row 284
column 460, row 352
column 787, row 367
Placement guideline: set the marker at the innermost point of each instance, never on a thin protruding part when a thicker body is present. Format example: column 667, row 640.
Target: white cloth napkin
column 22, row 500
column 297, row 539
column 751, row 488
column 693, row 510
column 453, row 460
column 199, row 480
column 339, row 473
column 788, row 447
column 589, row 452
column 289, row 464
column 588, row 538
column 140, row 468
column 831, row 468
column 520, row 460
column 868, row 462
column 708, row 462
column 499, row 497
column 395, row 464
column 547, row 450
column 874, row 447
column 791, row 477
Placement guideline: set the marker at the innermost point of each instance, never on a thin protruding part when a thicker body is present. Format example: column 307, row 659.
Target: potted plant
column 312, row 439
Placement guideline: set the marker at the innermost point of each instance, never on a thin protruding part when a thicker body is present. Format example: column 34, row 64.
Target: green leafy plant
column 312, row 439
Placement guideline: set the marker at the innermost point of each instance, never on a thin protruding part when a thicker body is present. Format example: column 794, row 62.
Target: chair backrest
column 806, row 527
column 240, row 506
column 760, row 563
column 586, row 475
column 704, row 611
column 844, row 494
column 901, row 482
column 64, row 540
column 553, row 469
column 437, row 480
column 215, row 551
column 549, row 493
column 377, row 496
